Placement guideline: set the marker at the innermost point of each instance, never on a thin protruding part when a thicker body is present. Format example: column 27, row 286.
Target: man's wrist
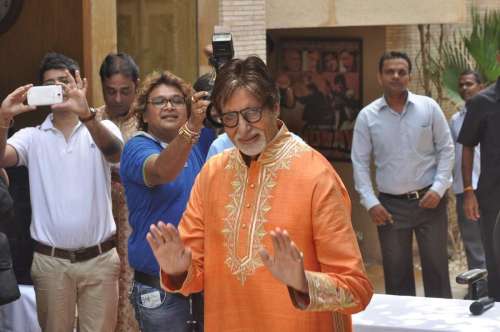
column 5, row 116
column 194, row 128
column 189, row 135
column 469, row 192
column 468, row 188
column 304, row 287
column 6, row 121
column 370, row 203
column 91, row 114
column 177, row 280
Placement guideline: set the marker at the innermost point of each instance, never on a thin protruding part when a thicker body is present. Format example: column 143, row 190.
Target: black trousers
column 491, row 239
column 431, row 230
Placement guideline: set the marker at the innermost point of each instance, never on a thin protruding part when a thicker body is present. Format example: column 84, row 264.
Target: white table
column 408, row 313
column 20, row 315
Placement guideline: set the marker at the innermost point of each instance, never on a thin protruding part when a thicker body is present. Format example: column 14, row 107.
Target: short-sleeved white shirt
column 70, row 185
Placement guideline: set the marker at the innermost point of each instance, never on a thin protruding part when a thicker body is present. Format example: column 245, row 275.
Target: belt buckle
column 74, row 253
column 72, row 256
column 413, row 195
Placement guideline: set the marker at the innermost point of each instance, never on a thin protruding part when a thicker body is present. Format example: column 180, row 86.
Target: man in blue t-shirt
column 147, row 204
column 158, row 168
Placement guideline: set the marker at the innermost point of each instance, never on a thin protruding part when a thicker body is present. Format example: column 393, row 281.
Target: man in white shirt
column 68, row 158
column 410, row 141
column 469, row 84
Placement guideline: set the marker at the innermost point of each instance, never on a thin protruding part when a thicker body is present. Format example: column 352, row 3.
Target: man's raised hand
column 75, row 99
column 172, row 256
column 13, row 104
column 287, row 264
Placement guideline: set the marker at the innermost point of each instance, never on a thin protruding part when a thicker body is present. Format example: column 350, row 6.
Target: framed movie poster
column 320, row 90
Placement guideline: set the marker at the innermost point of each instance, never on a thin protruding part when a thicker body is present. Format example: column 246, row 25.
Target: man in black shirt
column 481, row 126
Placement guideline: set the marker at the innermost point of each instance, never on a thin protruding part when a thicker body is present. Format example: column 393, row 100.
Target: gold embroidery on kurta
column 340, row 322
column 277, row 157
column 325, row 295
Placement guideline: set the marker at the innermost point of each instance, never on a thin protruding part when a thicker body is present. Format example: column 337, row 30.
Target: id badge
column 151, row 300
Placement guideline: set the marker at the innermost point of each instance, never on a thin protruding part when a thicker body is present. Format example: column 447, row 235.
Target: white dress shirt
column 411, row 150
column 456, row 123
column 70, row 185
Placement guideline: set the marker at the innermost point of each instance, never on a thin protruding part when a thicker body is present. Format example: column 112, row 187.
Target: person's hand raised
column 287, row 264
column 198, row 110
column 172, row 256
column 75, row 99
column 13, row 104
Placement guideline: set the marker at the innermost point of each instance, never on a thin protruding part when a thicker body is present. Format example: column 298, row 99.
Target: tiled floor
column 376, row 276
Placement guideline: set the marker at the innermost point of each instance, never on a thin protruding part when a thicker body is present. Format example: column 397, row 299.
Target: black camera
column 222, row 52
column 222, row 48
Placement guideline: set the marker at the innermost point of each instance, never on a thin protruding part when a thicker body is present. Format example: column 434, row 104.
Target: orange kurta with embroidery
column 229, row 216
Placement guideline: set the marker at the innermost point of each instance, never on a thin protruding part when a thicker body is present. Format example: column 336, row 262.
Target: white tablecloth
column 20, row 315
column 408, row 313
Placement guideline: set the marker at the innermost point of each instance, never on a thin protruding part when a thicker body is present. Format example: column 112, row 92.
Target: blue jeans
column 157, row 310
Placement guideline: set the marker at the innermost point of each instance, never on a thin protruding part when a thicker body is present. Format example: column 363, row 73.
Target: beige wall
column 328, row 13
column 160, row 35
column 208, row 17
column 373, row 46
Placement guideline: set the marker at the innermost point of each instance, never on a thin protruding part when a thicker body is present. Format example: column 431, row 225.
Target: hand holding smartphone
column 14, row 104
column 45, row 95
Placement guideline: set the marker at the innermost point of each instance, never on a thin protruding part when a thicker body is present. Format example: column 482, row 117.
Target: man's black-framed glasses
column 251, row 115
column 161, row 102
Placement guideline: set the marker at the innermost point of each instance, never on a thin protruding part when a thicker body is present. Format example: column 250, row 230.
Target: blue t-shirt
column 148, row 205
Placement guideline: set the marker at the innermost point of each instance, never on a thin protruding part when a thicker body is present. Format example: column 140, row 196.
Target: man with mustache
column 267, row 231
column 412, row 148
column 470, row 83
column 120, row 80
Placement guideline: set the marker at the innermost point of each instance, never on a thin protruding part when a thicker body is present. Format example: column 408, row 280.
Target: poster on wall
column 320, row 91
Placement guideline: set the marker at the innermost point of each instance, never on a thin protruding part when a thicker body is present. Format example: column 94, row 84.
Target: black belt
column 147, row 279
column 78, row 255
column 411, row 195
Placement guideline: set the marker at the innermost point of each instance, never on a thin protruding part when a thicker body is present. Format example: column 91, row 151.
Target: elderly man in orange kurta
column 270, row 191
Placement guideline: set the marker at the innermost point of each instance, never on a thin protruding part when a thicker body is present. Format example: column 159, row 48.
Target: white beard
column 253, row 149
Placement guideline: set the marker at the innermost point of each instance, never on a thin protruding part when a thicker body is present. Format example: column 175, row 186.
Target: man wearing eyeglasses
column 158, row 168
column 267, row 231
column 223, row 142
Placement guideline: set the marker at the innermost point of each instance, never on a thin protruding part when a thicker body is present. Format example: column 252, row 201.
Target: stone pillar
column 99, row 39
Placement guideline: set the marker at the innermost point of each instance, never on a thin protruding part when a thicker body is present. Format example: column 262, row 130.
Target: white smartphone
column 45, row 95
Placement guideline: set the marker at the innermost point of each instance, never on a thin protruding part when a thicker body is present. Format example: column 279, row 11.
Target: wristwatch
column 93, row 113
